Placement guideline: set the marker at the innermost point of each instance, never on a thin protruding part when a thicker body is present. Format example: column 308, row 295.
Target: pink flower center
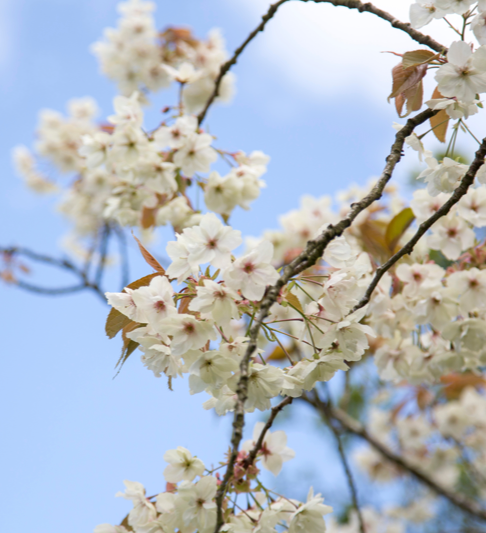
column 248, row 268
column 159, row 306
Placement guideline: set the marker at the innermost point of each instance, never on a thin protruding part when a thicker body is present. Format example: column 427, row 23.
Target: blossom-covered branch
column 312, row 253
column 459, row 192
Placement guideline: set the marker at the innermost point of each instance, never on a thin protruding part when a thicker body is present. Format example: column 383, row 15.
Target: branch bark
column 312, row 253
column 273, row 414
column 326, row 415
column 63, row 264
column 368, row 7
column 355, row 427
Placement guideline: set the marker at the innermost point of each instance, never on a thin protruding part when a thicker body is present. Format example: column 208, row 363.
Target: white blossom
column 182, row 465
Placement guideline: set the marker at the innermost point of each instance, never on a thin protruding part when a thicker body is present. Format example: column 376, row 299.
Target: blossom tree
column 380, row 284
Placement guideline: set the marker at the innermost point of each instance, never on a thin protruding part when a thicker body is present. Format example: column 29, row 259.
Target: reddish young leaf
column 439, row 122
column 116, row 321
column 407, row 87
column 149, row 257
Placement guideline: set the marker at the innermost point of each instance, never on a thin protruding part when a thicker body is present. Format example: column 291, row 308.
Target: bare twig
column 355, row 427
column 417, row 36
column 49, row 291
column 458, row 193
column 100, row 269
column 311, row 254
column 123, row 247
column 273, row 414
column 226, row 66
column 63, row 264
column 325, row 410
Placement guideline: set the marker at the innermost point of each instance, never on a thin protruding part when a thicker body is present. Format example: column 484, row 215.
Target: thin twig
column 48, row 291
column 125, row 265
column 63, row 264
column 226, row 66
column 273, row 414
column 103, row 254
column 325, row 412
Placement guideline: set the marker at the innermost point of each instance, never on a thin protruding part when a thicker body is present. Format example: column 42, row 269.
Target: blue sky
column 71, row 433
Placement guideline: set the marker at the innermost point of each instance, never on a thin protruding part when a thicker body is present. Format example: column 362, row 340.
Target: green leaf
column 397, row 226
column 293, row 301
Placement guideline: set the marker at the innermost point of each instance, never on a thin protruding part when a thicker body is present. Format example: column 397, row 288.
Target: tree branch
column 225, row 67
column 63, row 264
column 355, row 427
column 326, row 415
column 274, row 412
column 312, row 253
column 458, row 193
column 416, row 35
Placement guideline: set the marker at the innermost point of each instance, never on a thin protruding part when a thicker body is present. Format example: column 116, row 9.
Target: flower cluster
column 139, row 57
column 421, row 328
column 188, row 503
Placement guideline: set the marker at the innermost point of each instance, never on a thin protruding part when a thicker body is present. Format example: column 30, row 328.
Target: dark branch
column 105, row 236
column 226, row 66
column 417, row 36
column 63, row 264
column 353, row 426
column 326, row 415
column 309, row 257
column 458, row 193
column 274, row 412
column 48, row 291
column 123, row 247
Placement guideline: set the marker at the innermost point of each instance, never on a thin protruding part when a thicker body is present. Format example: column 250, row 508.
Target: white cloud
column 326, row 51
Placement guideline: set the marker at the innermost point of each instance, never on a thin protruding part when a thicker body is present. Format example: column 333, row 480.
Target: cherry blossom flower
column 308, row 517
column 143, row 511
column 252, row 272
column 221, row 194
column 464, row 75
column 216, row 300
column 454, row 108
column 155, row 300
column 175, row 136
column 451, row 235
column 199, row 509
column 472, row 206
column 188, row 333
column 470, row 287
column 124, row 302
column 478, row 26
column 196, row 154
column 274, row 450
column 424, row 11
column 211, row 242
column 442, row 177
column 182, row 465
